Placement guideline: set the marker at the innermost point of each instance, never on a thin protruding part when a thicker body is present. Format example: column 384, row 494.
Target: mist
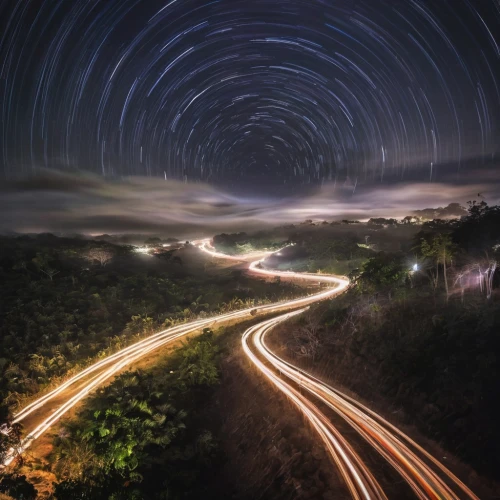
column 77, row 202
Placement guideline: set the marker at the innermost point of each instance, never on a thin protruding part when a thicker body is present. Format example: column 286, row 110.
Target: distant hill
column 453, row 210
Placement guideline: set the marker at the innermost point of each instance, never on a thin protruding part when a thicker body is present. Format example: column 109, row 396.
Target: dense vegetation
column 68, row 301
column 241, row 243
column 143, row 435
column 336, row 247
column 420, row 329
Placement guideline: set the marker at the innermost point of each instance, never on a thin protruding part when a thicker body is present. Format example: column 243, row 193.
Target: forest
column 416, row 334
column 66, row 302
column 142, row 436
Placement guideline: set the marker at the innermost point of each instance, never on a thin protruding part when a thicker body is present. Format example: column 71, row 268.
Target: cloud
column 77, row 202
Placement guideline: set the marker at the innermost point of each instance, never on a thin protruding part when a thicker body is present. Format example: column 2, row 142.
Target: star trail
column 247, row 92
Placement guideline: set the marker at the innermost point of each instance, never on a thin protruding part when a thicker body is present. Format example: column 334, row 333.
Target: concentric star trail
column 294, row 91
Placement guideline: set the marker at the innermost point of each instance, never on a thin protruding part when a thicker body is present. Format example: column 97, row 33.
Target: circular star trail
column 253, row 91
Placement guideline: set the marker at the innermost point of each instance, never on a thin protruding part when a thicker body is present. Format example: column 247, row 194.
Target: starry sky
column 119, row 115
column 249, row 92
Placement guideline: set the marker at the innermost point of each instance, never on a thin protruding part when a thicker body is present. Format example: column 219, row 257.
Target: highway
column 319, row 402
column 45, row 411
column 426, row 476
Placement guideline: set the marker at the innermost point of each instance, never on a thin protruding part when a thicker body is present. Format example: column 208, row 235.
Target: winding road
column 427, row 477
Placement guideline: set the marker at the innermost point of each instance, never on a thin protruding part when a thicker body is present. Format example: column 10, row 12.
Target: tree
column 383, row 271
column 440, row 248
column 101, row 254
column 153, row 241
column 42, row 263
column 198, row 366
column 478, row 233
column 410, row 219
column 483, row 269
column 121, row 431
column 381, row 221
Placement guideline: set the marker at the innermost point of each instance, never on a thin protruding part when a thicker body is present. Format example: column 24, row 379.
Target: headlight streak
column 395, row 446
column 377, row 431
column 382, row 435
column 132, row 353
column 357, row 476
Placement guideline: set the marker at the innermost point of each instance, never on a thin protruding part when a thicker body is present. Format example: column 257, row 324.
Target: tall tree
column 440, row 248
column 102, row 255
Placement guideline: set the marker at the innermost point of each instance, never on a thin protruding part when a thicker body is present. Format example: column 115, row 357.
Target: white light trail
column 428, row 478
column 109, row 366
column 406, row 456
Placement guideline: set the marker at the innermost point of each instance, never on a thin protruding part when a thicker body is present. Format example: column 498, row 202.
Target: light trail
column 358, row 478
column 396, row 447
column 103, row 370
column 428, row 478
column 407, row 457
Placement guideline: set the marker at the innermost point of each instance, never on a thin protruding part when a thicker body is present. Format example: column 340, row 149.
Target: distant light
column 415, row 267
column 278, row 254
column 165, row 245
column 142, row 249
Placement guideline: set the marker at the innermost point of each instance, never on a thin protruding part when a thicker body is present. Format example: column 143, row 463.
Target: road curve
column 357, row 476
column 76, row 388
column 428, row 478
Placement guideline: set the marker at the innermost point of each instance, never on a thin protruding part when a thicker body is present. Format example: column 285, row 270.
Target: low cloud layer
column 81, row 203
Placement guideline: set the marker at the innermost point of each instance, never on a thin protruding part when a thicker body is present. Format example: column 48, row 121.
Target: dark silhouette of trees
column 440, row 248
column 479, row 231
column 17, row 486
column 380, row 273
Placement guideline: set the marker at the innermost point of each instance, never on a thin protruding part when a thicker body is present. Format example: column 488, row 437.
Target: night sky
column 262, row 91
column 252, row 94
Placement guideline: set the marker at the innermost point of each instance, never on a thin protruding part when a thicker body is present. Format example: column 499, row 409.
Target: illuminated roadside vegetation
column 144, row 436
column 418, row 335
column 325, row 247
column 66, row 302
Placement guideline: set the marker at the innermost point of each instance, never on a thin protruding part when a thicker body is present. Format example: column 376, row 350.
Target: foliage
column 479, row 231
column 241, row 243
column 52, row 326
column 430, row 348
column 439, row 247
column 140, row 437
column 381, row 221
column 17, row 486
column 10, row 435
column 382, row 272
column 100, row 254
column 453, row 210
column 436, row 363
column 197, row 366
